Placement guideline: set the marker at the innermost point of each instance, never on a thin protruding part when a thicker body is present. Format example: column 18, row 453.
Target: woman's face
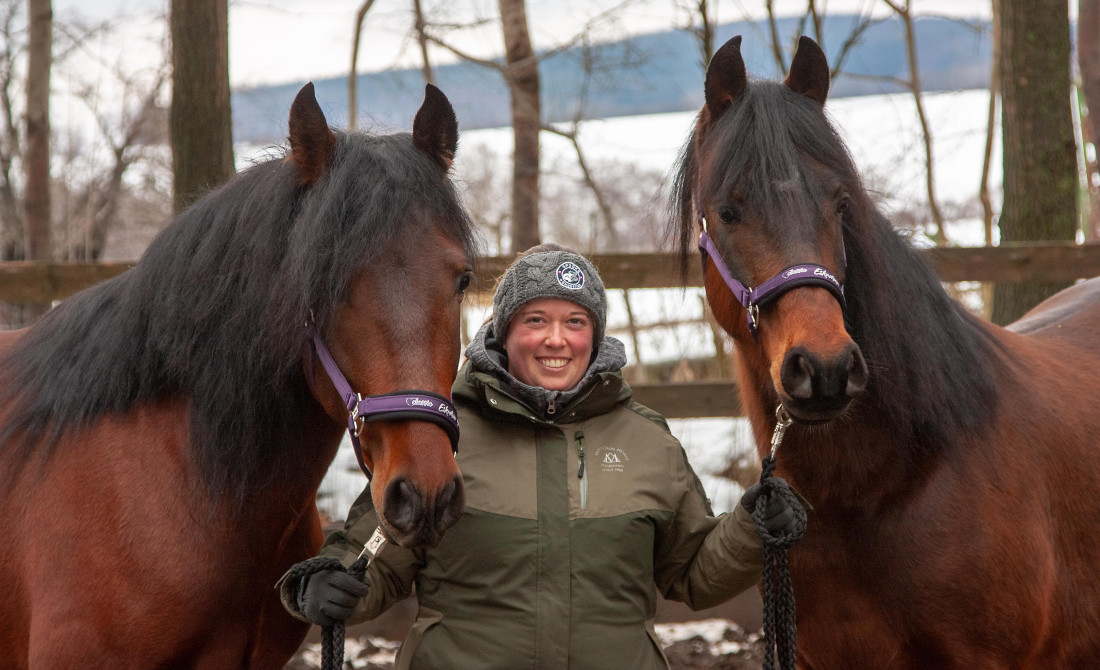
column 549, row 343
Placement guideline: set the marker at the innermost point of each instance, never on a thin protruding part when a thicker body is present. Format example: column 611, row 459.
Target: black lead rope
column 779, row 614
column 332, row 637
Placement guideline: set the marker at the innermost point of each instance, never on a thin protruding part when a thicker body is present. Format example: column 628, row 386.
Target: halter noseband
column 395, row 406
column 802, row 274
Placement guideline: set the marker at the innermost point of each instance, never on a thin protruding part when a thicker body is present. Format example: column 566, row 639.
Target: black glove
column 779, row 518
column 329, row 596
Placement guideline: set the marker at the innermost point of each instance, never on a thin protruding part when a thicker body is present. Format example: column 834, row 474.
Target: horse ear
column 435, row 127
column 726, row 77
column 809, row 73
column 311, row 141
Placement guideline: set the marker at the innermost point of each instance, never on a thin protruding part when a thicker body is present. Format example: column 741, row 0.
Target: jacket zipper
column 581, row 474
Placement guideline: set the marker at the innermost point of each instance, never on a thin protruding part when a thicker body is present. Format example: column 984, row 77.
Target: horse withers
column 163, row 434
column 953, row 466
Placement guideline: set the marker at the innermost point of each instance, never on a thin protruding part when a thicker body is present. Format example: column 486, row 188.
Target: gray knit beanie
column 550, row 274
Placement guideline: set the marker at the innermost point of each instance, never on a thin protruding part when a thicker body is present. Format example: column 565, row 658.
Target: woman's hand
column 330, row 596
column 779, row 517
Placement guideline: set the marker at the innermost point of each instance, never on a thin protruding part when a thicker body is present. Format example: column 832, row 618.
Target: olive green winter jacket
column 569, row 523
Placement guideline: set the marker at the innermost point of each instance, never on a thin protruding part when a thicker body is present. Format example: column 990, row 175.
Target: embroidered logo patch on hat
column 571, row 276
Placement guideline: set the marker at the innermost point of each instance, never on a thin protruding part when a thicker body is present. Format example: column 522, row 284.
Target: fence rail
column 40, row 282
column 37, row 282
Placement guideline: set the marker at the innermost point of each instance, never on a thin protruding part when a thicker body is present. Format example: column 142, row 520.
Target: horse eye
column 843, row 205
column 729, row 214
column 464, row 282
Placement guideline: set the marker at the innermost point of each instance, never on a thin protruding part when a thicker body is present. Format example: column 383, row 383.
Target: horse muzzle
column 815, row 389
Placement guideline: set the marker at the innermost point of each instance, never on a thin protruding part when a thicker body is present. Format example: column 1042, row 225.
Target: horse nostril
column 857, row 373
column 797, row 374
column 403, row 505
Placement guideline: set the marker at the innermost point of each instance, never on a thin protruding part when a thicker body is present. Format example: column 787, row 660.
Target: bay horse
column 952, row 466
column 163, row 434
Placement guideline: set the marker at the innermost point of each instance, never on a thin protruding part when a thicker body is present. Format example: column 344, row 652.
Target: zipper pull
column 551, row 409
column 579, row 437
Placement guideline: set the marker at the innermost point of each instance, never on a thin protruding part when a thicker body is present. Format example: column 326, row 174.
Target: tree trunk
column 12, row 232
column 37, row 239
column 353, row 75
column 522, row 75
column 1040, row 158
column 422, row 41
column 36, row 156
column 200, row 122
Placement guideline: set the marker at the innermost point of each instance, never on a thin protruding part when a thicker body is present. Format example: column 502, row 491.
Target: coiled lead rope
column 780, row 631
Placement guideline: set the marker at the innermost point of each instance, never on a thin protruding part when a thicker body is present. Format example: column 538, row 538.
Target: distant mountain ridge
column 651, row 73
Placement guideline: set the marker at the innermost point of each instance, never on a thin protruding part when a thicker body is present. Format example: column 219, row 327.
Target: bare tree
column 200, row 121
column 702, row 24
column 353, row 71
column 520, row 72
column 422, row 42
column 522, row 75
column 95, row 207
column 36, row 153
column 11, row 146
column 905, row 13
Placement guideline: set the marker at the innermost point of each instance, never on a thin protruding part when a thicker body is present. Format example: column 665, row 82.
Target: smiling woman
column 549, row 343
column 579, row 502
column 549, row 310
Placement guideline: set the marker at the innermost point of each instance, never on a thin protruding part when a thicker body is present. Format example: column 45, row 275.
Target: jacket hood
column 487, row 366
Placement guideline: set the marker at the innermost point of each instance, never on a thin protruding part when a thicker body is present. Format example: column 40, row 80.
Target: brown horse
column 163, row 434
column 953, row 466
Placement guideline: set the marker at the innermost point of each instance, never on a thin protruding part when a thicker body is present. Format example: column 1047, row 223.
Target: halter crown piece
column 394, row 406
column 801, row 274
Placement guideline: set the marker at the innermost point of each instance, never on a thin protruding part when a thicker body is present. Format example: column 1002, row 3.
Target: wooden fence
column 1055, row 261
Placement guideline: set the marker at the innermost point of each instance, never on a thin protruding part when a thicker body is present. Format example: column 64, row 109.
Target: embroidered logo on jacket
column 611, row 459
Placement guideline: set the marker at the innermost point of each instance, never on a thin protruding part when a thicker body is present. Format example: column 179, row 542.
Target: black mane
column 215, row 311
column 931, row 363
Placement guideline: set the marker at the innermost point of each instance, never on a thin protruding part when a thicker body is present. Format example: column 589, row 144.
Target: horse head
column 393, row 333
column 770, row 185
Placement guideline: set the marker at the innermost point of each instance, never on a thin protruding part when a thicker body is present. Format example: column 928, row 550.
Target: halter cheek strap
column 802, row 274
column 394, row 406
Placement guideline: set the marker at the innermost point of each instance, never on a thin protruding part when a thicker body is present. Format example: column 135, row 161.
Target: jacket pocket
column 425, row 619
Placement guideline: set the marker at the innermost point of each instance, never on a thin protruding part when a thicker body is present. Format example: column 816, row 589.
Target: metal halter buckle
column 783, row 421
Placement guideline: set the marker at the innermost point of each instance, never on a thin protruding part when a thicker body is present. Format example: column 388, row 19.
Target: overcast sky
column 274, row 41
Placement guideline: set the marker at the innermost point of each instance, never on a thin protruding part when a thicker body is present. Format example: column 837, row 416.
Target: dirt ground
column 712, row 639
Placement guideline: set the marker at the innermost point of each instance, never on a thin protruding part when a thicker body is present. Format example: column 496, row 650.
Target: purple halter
column 803, row 274
column 395, row 406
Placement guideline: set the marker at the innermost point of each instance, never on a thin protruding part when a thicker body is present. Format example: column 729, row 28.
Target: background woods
column 560, row 106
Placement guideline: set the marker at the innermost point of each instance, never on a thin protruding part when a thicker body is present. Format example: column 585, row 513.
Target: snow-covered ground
column 688, row 645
